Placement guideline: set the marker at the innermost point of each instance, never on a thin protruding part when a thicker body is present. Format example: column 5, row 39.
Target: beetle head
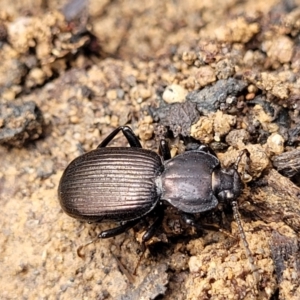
column 227, row 184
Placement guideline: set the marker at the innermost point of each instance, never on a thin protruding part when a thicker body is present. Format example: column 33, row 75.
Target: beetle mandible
column 124, row 184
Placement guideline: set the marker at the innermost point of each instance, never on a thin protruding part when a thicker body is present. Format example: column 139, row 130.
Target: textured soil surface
column 226, row 73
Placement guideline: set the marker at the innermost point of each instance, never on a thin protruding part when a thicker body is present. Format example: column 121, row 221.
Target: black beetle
column 124, row 184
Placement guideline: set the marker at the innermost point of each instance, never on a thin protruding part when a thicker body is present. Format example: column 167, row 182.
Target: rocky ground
column 223, row 72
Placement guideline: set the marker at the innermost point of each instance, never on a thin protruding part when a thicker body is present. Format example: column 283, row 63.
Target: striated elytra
column 124, row 184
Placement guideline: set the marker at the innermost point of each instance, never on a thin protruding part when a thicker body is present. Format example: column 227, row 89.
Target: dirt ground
column 224, row 72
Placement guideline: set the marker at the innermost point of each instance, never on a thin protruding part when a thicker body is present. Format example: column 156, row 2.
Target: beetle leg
column 164, row 150
column 128, row 133
column 151, row 230
column 149, row 234
column 188, row 219
column 117, row 230
column 193, row 144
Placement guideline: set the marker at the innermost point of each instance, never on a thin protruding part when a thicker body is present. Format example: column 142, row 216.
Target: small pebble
column 174, row 93
column 275, row 144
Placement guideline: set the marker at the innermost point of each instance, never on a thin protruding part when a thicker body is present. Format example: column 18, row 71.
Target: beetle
column 124, row 184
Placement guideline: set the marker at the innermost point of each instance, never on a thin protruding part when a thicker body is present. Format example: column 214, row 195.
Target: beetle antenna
column 242, row 234
column 244, row 151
